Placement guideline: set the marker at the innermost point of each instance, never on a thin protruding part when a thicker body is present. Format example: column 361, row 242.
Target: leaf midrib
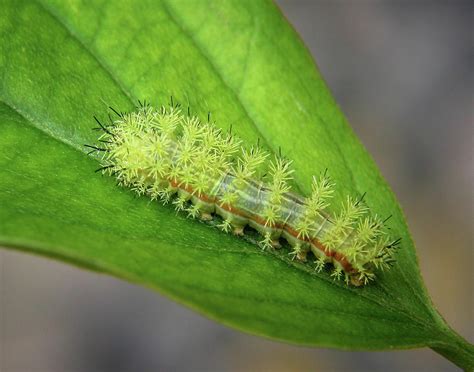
column 255, row 125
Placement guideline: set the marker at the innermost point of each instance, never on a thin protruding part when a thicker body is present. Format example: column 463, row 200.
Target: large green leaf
column 61, row 63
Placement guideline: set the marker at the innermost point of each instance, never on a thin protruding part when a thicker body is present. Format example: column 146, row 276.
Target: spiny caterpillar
column 178, row 158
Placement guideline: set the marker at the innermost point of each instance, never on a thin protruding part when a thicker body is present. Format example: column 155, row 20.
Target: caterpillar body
column 178, row 158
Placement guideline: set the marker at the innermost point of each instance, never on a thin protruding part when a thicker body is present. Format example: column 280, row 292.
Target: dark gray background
column 402, row 73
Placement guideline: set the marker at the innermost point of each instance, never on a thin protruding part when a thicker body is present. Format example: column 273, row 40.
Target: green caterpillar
column 175, row 157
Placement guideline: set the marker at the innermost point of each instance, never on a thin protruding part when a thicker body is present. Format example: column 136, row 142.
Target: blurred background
column 402, row 73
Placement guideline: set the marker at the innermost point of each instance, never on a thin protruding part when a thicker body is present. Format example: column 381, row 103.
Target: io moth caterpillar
column 175, row 157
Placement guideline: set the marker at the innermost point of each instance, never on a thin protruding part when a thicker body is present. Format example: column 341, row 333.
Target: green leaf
column 61, row 64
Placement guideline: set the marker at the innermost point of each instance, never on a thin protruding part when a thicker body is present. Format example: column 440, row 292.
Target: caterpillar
column 209, row 174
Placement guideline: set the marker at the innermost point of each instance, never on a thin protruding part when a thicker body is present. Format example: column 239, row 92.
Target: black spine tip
column 116, row 112
column 103, row 168
column 103, row 127
column 96, row 148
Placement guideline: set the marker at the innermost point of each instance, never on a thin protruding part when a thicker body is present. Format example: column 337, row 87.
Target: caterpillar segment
column 174, row 157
